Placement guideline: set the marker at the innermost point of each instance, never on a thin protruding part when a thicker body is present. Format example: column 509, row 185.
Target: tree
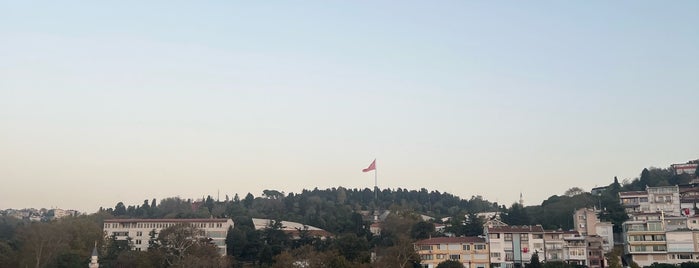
column 450, row 264
column 574, row 191
column 179, row 241
column 422, row 230
column 41, row 243
column 474, row 225
column 119, row 209
column 534, row 261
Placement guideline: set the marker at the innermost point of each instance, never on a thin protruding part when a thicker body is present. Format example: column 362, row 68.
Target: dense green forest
column 344, row 212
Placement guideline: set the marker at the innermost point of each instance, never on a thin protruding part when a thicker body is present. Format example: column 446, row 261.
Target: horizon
column 109, row 102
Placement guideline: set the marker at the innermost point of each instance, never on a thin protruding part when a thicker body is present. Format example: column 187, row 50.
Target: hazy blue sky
column 125, row 101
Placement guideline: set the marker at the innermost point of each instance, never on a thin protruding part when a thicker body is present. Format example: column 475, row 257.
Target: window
column 495, row 254
column 524, row 237
column 508, row 237
column 138, row 242
column 479, row 246
column 426, row 257
column 139, row 233
column 538, row 236
column 441, row 256
column 467, row 247
column 454, row 257
column 684, row 256
column 494, row 236
column 425, row 247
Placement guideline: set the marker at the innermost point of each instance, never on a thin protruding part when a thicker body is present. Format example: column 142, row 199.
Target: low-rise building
column 472, row 252
column 139, row 230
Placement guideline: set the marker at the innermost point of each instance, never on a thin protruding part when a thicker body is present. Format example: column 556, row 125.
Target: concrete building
column 513, row 246
column 595, row 251
column 574, row 248
column 588, row 224
column 553, row 242
column 138, row 230
column 472, row 252
column 652, row 200
column 688, row 168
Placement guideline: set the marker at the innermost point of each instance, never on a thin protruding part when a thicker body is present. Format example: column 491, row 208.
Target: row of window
column 161, row 225
column 648, row 248
column 452, row 247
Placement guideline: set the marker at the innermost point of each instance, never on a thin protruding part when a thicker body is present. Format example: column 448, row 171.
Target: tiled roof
column 163, row 220
column 448, row 240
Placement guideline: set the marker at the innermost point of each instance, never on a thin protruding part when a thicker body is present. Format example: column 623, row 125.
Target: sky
column 102, row 102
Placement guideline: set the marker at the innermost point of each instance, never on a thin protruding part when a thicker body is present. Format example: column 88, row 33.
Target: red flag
column 371, row 167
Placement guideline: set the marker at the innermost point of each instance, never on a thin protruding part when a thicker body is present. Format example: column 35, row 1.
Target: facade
column 595, row 251
column 138, row 230
column 588, row 224
column 553, row 241
column 652, row 200
column 472, row 252
column 688, row 168
column 574, row 248
column 513, row 246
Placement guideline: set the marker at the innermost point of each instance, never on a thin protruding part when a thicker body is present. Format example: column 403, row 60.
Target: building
column 553, row 242
column 472, row 252
column 688, row 168
column 595, row 251
column 644, row 239
column 588, row 224
column 653, row 199
column 513, row 246
column 293, row 229
column 138, row 230
column 574, row 248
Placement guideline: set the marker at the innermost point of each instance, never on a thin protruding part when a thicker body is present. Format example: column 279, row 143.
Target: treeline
column 330, row 209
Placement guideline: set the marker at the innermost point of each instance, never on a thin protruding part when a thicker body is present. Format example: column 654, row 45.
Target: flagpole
column 376, row 184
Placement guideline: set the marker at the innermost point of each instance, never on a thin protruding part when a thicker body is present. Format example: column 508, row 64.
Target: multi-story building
column 472, row 252
column 588, row 224
column 138, row 230
column 688, row 168
column 553, row 242
column 653, row 199
column 644, row 239
column 595, row 251
column 574, row 248
column 513, row 246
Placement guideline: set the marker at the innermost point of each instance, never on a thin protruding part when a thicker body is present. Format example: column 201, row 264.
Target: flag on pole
column 371, row 167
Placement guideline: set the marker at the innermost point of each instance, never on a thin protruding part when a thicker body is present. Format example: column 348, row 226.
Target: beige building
column 138, row 230
column 472, row 252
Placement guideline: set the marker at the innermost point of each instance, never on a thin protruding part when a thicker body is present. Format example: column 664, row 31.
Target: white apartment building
column 652, row 200
column 138, row 230
column 513, row 246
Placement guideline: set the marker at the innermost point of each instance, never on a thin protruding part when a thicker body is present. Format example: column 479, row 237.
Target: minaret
column 94, row 258
column 521, row 199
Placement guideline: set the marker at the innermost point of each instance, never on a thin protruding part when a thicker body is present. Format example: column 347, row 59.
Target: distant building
column 598, row 190
column 688, row 168
column 138, row 230
column 588, row 224
column 652, row 200
column 513, row 246
column 94, row 259
column 292, row 228
column 472, row 252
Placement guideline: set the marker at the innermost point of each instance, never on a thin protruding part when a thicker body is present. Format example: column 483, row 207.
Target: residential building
column 574, row 248
column 553, row 241
column 644, row 239
column 595, row 251
column 688, row 168
column 588, row 224
column 653, row 199
column 513, row 246
column 472, row 252
column 138, row 230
